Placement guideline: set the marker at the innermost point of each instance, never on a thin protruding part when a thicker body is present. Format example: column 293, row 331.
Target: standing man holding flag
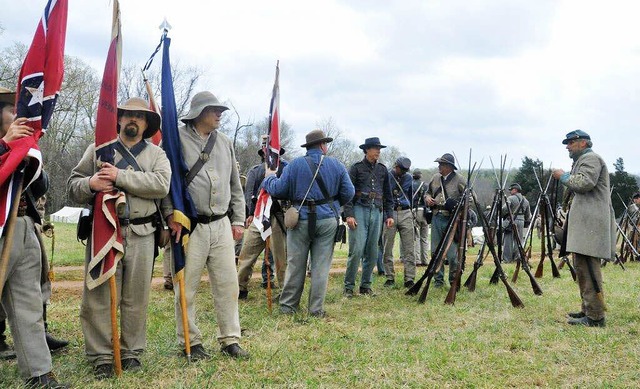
column 142, row 172
column 213, row 183
column 121, row 175
column 20, row 262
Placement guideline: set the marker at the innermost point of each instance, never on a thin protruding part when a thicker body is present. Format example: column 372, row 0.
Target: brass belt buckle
column 372, row 195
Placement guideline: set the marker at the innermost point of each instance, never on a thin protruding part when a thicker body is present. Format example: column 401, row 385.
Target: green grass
column 388, row 340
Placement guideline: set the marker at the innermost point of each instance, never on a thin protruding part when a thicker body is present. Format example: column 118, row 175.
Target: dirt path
column 77, row 285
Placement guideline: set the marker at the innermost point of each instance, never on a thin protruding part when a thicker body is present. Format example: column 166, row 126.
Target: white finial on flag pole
column 165, row 26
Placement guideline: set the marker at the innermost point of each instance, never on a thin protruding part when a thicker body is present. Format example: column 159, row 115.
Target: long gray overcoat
column 591, row 229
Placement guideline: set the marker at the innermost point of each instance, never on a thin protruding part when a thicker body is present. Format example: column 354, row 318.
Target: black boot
column 45, row 381
column 53, row 343
column 6, row 352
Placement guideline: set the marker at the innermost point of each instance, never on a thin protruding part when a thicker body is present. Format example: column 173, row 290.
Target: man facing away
column 142, row 185
column 216, row 192
column 317, row 186
column 365, row 212
column 590, row 232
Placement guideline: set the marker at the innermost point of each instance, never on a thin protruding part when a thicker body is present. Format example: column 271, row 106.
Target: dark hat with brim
column 141, row 105
column 7, row 96
column 200, row 101
column 315, row 137
column 636, row 195
column 447, row 158
column 371, row 142
column 515, row 186
column 574, row 135
column 417, row 172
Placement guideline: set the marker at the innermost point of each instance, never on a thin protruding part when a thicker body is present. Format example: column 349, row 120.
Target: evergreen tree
column 624, row 185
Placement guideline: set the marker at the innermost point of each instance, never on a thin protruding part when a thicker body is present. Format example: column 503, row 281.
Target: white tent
column 66, row 215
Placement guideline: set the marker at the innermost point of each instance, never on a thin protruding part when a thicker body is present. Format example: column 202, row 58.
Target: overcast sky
column 498, row 76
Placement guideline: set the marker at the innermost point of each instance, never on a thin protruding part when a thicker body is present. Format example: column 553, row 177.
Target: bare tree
column 184, row 80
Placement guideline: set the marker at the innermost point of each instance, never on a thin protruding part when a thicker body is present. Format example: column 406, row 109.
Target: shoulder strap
column 204, row 157
column 129, row 156
column 322, row 186
column 401, row 190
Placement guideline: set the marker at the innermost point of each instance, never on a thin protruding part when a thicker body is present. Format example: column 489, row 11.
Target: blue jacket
column 296, row 177
column 406, row 182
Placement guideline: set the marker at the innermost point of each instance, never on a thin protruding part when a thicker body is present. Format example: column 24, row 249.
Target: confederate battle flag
column 106, row 240
column 38, row 88
column 263, row 204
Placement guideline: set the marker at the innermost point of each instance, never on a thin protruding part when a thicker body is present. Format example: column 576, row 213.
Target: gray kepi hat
column 315, row 137
column 447, row 158
column 403, row 163
column 6, row 96
column 574, row 135
column 141, row 105
column 200, row 101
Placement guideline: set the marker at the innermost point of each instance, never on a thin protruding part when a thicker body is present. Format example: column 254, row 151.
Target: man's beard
column 131, row 130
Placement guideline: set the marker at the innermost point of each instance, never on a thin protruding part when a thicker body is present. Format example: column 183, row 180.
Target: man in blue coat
column 317, row 186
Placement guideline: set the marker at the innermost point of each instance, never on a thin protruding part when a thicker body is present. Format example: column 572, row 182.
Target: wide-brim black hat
column 371, row 142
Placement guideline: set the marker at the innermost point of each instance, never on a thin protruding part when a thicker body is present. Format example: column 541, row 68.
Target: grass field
column 384, row 341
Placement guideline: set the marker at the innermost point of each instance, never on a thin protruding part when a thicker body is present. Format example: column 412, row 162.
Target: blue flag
column 183, row 208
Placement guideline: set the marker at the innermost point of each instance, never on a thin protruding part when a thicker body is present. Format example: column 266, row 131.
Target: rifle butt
column 451, row 296
column 415, row 288
column 470, row 283
column 514, row 278
column 516, row 302
column 423, row 295
column 495, row 276
column 540, row 269
column 561, row 265
column 537, row 290
column 554, row 269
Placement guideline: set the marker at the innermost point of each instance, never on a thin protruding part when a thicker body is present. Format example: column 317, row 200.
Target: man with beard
column 372, row 202
column 590, row 231
column 142, row 172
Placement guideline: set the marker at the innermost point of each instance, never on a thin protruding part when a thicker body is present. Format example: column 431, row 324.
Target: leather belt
column 138, row 221
column 370, row 195
column 204, row 219
column 314, row 202
column 401, row 208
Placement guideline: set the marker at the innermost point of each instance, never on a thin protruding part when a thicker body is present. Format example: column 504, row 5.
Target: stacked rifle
column 628, row 235
column 458, row 221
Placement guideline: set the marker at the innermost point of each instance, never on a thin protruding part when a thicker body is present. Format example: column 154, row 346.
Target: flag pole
column 267, row 245
column 10, row 230
column 185, row 322
column 115, row 337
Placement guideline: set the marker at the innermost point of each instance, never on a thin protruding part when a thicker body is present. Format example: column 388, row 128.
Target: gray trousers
column 133, row 282
column 253, row 245
column 403, row 224
column 299, row 246
column 421, row 240
column 510, row 251
column 212, row 246
column 591, row 305
column 22, row 301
